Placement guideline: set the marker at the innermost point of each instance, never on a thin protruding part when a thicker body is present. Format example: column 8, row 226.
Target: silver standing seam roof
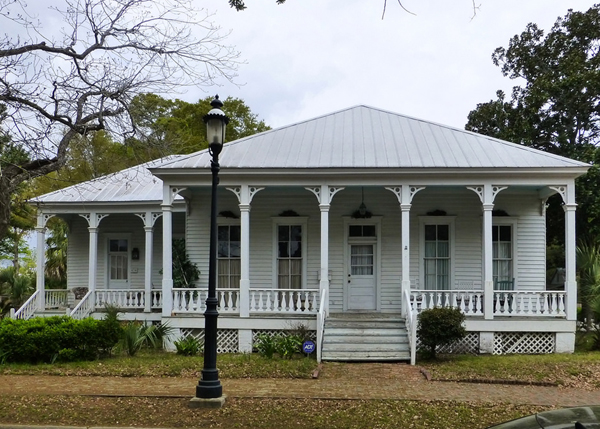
column 366, row 137
column 354, row 138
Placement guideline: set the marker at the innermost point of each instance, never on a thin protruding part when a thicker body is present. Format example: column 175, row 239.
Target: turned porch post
column 169, row 195
column 324, row 194
column 148, row 218
column 245, row 194
column 487, row 193
column 93, row 220
column 567, row 192
column 40, row 229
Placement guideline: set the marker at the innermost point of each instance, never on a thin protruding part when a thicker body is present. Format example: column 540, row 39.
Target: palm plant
column 15, row 288
column 137, row 335
column 588, row 262
column 56, row 254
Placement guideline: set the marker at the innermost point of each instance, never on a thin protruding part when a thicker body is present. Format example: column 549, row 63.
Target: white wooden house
column 351, row 223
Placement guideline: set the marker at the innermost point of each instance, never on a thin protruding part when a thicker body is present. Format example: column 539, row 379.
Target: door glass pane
column 361, row 260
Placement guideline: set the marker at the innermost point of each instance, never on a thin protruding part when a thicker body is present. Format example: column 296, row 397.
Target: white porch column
column 324, row 195
column 567, row 193
column 149, row 218
column 167, row 259
column 41, row 259
column 94, row 220
column 169, row 195
column 405, row 194
column 245, row 194
column 487, row 193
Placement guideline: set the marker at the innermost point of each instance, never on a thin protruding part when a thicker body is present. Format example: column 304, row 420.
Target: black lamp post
column 209, row 385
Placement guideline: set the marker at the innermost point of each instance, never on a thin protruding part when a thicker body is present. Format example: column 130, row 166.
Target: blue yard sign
column 308, row 347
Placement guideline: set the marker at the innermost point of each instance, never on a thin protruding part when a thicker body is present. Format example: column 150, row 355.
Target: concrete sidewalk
column 359, row 381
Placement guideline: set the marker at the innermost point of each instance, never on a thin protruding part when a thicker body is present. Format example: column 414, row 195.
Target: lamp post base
column 210, row 403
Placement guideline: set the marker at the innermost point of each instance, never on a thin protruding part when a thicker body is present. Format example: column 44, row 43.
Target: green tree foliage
column 556, row 108
column 588, row 264
column 56, row 254
column 438, row 327
column 108, row 51
column 176, row 127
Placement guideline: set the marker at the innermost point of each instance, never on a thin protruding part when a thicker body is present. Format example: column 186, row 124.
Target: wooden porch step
column 365, row 337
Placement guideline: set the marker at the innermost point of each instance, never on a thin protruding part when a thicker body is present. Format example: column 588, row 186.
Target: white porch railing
column 410, row 319
column 128, row 299
column 84, row 308
column 186, row 300
column 27, row 310
column 506, row 303
column 284, row 301
column 529, row 303
column 321, row 317
column 470, row 302
column 56, row 298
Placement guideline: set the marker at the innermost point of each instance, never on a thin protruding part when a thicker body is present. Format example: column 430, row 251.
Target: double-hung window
column 229, row 256
column 290, row 253
column 502, row 252
column 436, row 259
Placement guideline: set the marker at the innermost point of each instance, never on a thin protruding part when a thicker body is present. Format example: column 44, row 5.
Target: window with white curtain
column 229, row 265
column 289, row 256
column 436, row 262
column 119, row 259
column 502, row 252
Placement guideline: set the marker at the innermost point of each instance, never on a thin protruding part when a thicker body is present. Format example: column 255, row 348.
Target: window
column 362, row 231
column 436, row 261
column 289, row 256
column 502, row 252
column 229, row 256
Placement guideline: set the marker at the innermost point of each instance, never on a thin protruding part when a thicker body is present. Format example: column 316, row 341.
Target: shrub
column 188, row 346
column 60, row 337
column 136, row 335
column 439, row 326
column 288, row 346
column 265, row 345
column 285, row 346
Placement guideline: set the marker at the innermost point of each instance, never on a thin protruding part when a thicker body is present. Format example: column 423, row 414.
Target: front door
column 362, row 281
column 118, row 263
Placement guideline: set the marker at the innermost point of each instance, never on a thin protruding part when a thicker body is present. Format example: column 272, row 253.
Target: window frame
column 289, row 221
column 229, row 222
column 512, row 222
column 438, row 220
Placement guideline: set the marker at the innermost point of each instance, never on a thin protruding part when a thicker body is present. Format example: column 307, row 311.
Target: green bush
column 57, row 338
column 285, row 346
column 439, row 326
column 265, row 345
column 136, row 335
column 188, row 346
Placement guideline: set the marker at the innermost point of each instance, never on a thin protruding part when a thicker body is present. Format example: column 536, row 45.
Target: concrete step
column 367, row 356
column 360, row 339
column 365, row 337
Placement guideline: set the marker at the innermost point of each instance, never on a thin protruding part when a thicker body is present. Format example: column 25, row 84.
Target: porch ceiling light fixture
column 209, row 387
column 362, row 211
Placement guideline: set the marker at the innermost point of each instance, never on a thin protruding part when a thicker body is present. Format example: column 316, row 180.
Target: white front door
column 362, row 281
column 118, row 263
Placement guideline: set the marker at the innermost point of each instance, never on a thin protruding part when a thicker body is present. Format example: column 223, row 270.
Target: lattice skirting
column 227, row 339
column 524, row 342
column 468, row 345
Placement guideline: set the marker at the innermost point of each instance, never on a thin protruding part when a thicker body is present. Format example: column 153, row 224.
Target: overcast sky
column 311, row 57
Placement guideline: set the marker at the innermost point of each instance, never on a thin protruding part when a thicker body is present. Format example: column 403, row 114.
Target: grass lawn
column 580, row 370
column 150, row 363
column 256, row 413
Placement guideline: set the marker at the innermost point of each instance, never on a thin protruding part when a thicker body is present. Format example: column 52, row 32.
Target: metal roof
column 135, row 184
column 354, row 138
column 366, row 137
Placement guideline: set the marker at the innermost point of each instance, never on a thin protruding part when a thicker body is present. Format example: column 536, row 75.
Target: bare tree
column 59, row 82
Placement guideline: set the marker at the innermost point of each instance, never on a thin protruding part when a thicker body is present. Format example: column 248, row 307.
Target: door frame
column 374, row 220
column 115, row 236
